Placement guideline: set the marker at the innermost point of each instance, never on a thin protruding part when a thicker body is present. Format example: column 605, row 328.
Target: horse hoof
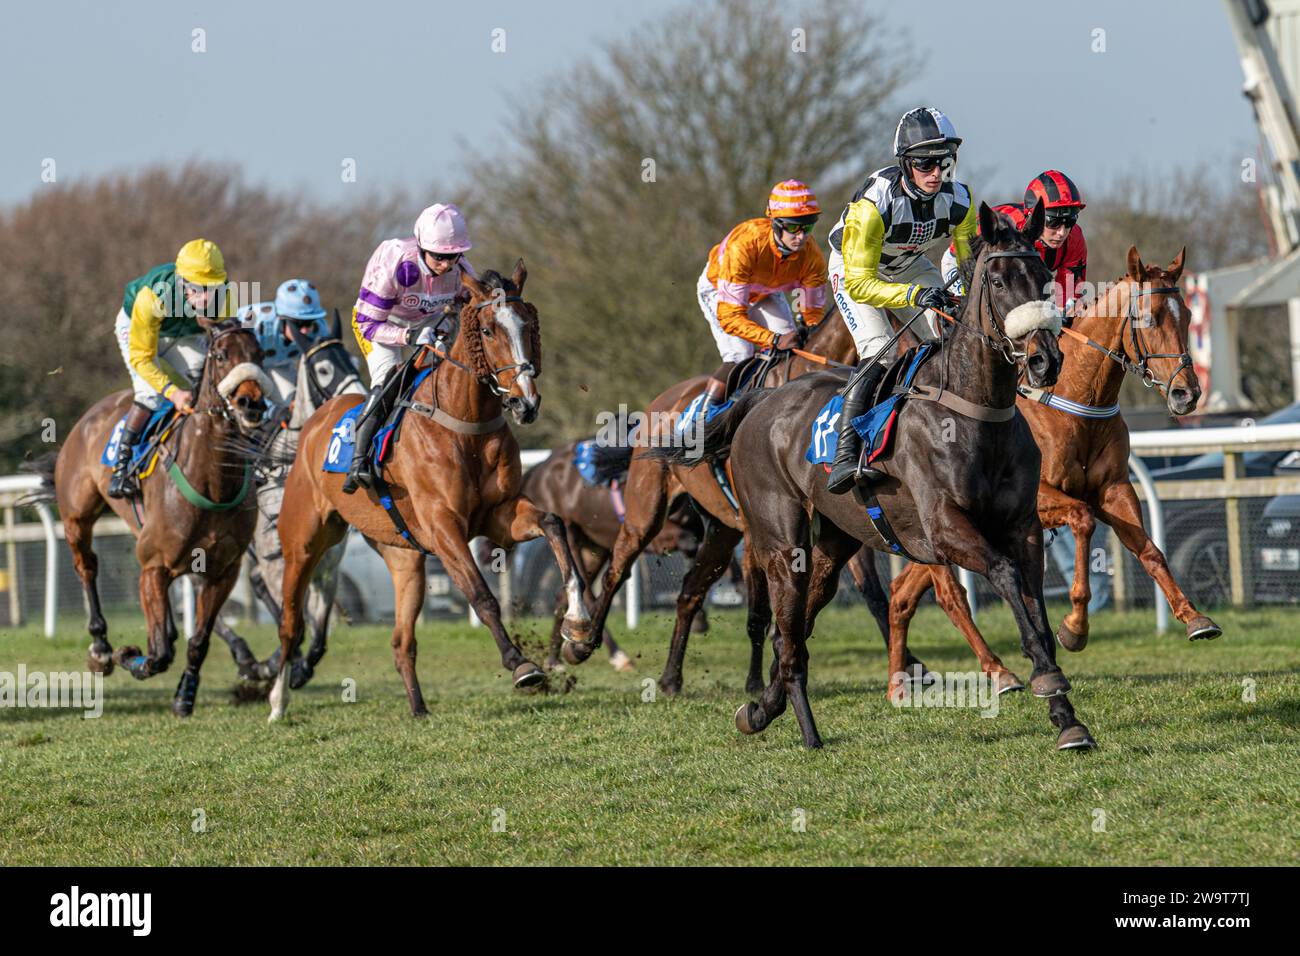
column 918, row 673
column 575, row 652
column 528, row 674
column 1070, row 640
column 1201, row 628
column 745, row 719
column 182, row 709
column 1004, row 682
column 622, row 663
column 299, row 676
column 670, row 688
column 1075, row 738
column 100, row 664
column 1050, row 684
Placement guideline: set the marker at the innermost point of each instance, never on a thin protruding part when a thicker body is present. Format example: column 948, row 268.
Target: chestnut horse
column 197, row 516
column 1140, row 327
column 647, row 493
column 592, row 523
column 964, row 498
column 454, row 475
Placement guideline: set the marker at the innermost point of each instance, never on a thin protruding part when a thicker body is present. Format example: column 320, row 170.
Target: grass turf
column 1187, row 772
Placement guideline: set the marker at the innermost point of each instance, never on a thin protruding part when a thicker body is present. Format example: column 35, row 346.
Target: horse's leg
column 321, row 591
column 240, row 652
column 952, row 598
column 80, row 533
column 1025, row 551
column 590, row 559
column 207, row 605
column 305, row 536
column 905, row 593
column 516, row 520
column 407, row 568
column 863, row 568
column 154, row 582
column 791, row 622
column 1056, row 508
column 758, row 620
column 753, row 717
column 644, row 495
column 451, row 544
column 553, row 653
column 711, row 562
column 1119, row 508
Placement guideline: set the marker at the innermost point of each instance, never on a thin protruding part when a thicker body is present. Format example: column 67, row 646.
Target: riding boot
column 367, row 423
column 123, row 484
column 857, row 399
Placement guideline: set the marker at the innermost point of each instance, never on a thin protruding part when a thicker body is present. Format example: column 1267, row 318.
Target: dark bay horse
column 197, row 515
column 324, row 370
column 1140, row 325
column 647, row 492
column 592, row 522
column 960, row 486
column 455, row 475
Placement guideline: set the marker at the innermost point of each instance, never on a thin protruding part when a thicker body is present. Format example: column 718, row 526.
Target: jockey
column 297, row 303
column 410, row 287
column 739, row 289
column 157, row 321
column 1062, row 245
column 878, row 259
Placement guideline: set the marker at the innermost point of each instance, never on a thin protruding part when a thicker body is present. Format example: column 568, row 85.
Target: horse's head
column 325, row 369
column 233, row 382
column 501, row 338
column 1011, row 289
column 1155, row 337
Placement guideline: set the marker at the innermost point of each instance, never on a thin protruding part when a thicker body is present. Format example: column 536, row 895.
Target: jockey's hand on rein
column 930, row 298
column 787, row 340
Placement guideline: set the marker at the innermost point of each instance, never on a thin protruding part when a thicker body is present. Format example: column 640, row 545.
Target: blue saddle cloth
column 876, row 425
column 151, row 428
column 338, row 454
column 584, row 459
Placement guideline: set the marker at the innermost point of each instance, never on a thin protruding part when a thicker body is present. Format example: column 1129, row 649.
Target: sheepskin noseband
column 1032, row 316
column 246, row 371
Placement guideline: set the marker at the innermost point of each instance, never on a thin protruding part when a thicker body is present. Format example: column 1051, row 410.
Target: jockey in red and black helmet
column 1062, row 245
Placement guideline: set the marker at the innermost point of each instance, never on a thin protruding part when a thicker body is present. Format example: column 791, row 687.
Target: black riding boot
column 857, row 398
column 367, row 424
column 122, row 484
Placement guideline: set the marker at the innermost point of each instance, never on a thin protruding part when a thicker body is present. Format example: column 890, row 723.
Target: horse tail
column 718, row 434
column 43, row 468
column 610, row 461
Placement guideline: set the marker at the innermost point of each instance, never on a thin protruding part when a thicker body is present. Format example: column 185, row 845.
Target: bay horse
column 455, row 474
column 197, row 520
column 592, row 522
column 959, row 488
column 1139, row 326
column 325, row 369
column 647, row 493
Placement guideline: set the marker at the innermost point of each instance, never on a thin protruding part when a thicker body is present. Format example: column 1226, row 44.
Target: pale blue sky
column 293, row 88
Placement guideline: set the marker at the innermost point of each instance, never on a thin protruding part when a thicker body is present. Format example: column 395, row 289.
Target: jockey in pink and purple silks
column 408, row 298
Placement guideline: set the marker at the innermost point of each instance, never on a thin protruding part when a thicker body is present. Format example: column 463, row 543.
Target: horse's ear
column 299, row 339
column 519, row 276
column 1034, row 226
column 1175, row 269
column 336, row 330
column 208, row 325
column 1134, row 263
column 988, row 223
column 473, row 285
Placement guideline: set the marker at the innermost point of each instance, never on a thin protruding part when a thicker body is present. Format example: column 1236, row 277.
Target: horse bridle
column 306, row 356
column 1141, row 368
column 225, row 410
column 492, row 379
column 1006, row 348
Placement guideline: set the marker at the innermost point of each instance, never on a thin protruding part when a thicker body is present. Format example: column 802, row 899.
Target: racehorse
column 324, row 370
column 455, row 475
column 647, row 493
column 1138, row 327
column 592, row 521
column 198, row 522
column 959, row 486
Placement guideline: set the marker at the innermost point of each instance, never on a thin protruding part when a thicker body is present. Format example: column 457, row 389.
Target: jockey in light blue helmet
column 296, row 302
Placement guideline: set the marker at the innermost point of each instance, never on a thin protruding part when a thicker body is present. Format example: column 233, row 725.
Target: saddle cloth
column 338, row 454
column 155, row 425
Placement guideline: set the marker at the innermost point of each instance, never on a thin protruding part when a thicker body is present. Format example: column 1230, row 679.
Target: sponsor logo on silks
column 825, row 433
column 74, row 909
column 82, row 691
column 846, row 310
column 423, row 301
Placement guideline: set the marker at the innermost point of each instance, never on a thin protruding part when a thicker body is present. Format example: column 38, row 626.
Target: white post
column 632, row 594
column 51, row 567
column 187, row 605
column 1157, row 532
column 967, row 579
column 1293, row 312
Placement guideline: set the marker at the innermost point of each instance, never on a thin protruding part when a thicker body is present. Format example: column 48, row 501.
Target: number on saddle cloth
column 876, row 425
column 338, row 454
column 144, row 444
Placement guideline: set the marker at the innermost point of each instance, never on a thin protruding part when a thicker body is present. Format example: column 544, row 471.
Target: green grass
column 1186, row 772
